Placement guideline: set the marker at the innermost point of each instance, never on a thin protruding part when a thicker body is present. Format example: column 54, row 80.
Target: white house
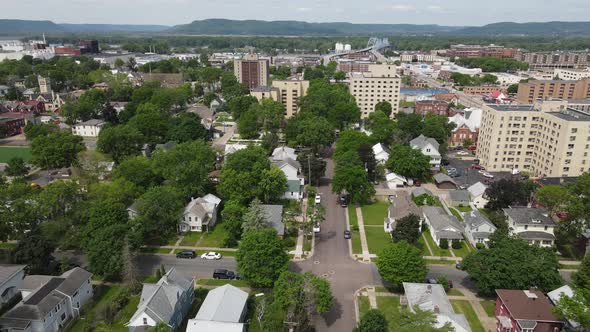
column 231, row 148
column 11, row 280
column 168, row 301
column 478, row 228
column 395, row 181
column 223, row 310
column 532, row 225
column 198, row 213
column 90, row 128
column 429, row 147
column 381, row 153
column 49, row 302
column 477, row 194
column 286, row 159
column 442, row 226
column 284, row 152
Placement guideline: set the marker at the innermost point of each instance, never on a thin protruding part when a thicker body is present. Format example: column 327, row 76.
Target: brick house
column 438, row 107
column 524, row 311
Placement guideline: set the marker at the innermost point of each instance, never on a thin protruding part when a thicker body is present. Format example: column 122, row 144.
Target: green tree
column 262, row 257
column 553, row 197
column 159, row 212
column 385, row 107
column 575, row 308
column 33, row 131
column 186, row 127
column 409, row 126
column 239, row 105
column 512, row 89
column 16, row 167
column 530, row 266
column 353, row 180
column 232, row 217
column 272, row 185
column 137, row 170
column 506, row 192
column 56, row 150
column 309, row 131
column 407, row 229
column 160, row 327
column 401, row 262
column 208, row 98
column 255, row 219
column 248, row 126
column 382, row 127
column 419, row 320
column 35, row 251
column 372, row 321
column 120, row 142
column 582, row 277
column 408, row 162
column 312, row 165
column 151, row 123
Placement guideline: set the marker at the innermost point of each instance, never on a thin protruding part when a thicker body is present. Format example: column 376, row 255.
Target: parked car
column 186, row 254
column 472, row 147
column 223, row 274
column 524, row 177
column 462, row 187
column 450, row 169
column 477, row 166
column 316, row 228
column 562, row 215
column 455, row 175
column 431, row 281
column 459, row 266
column 342, row 200
column 463, row 153
column 211, row 255
column 417, row 183
column 487, row 175
column 488, row 181
column 318, row 199
column 347, row 234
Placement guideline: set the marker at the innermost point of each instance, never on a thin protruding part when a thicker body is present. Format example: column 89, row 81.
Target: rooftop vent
column 530, row 295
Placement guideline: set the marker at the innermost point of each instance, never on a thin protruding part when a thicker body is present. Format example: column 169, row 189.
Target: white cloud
column 402, row 8
column 437, row 9
column 303, row 9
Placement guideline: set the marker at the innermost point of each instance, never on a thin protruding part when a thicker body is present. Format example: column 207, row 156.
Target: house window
column 526, row 226
column 546, row 227
column 145, row 321
column 63, row 317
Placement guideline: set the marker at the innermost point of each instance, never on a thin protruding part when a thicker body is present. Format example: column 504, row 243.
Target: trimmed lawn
column 465, row 308
column 172, row 241
column 435, row 249
column 9, row 152
column 221, row 282
column 377, row 239
column 307, row 243
column 439, row 261
column 352, row 219
column 489, row 306
column 463, row 251
column 214, row 238
column 355, row 240
column 389, row 306
column 154, row 250
column 456, row 213
column 7, row 245
column 191, row 238
column 569, row 266
column 375, row 213
column 421, row 245
column 463, row 208
column 125, row 314
column 454, row 292
column 364, row 305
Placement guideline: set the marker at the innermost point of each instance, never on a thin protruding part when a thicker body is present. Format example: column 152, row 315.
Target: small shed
column 444, row 181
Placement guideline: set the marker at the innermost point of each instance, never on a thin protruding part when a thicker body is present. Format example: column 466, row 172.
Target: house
column 450, row 98
column 11, row 280
column 524, row 310
column 432, row 297
column 556, row 295
column 200, row 213
column 231, row 148
column 284, row 153
column 478, row 227
column 90, row 128
column 531, row 224
column 444, row 181
column 286, row 159
column 458, row 198
column 223, row 310
column 395, row 181
column 132, row 211
column 168, row 301
column 437, row 107
column 49, row 302
column 466, row 126
column 381, row 153
column 421, row 191
column 441, row 225
column 4, row 90
column 477, row 195
column 274, row 216
column 429, row 147
column 401, row 206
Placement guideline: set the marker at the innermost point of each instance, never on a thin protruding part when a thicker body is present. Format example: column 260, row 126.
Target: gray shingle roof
column 529, row 216
column 444, row 225
column 293, row 186
column 7, row 271
column 459, row 195
column 475, row 219
column 223, row 304
column 274, row 215
column 286, row 161
column 477, row 189
column 421, row 191
column 422, row 141
column 441, row 177
column 534, row 235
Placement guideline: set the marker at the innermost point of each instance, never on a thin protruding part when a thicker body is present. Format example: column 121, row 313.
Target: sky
column 173, row 12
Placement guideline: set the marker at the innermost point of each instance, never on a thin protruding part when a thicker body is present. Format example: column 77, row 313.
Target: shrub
column 355, row 227
column 457, row 244
column 480, row 246
column 444, row 244
column 121, row 299
column 424, row 227
column 289, row 242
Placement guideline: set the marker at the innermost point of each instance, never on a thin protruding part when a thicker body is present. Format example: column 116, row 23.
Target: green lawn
column 389, row 306
column 463, row 251
column 569, row 266
column 456, row 213
column 9, row 152
column 435, row 249
column 463, row 208
column 154, row 250
column 355, row 238
column 422, row 246
column 191, row 238
column 214, row 238
column 489, row 306
column 172, row 240
column 439, row 261
column 92, row 307
column 375, row 213
column 465, row 308
column 454, row 292
column 7, row 245
column 364, row 305
column 377, row 239
column 486, row 212
column 307, row 243
column 221, row 282
column 352, row 219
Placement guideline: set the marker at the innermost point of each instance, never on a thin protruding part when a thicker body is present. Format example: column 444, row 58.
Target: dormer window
column 536, row 221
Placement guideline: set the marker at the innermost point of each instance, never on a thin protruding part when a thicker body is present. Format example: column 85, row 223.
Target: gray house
column 478, row 227
column 441, row 225
column 401, row 206
column 168, row 301
column 223, row 310
column 531, row 224
column 274, row 216
column 11, row 280
column 444, row 181
column 459, row 198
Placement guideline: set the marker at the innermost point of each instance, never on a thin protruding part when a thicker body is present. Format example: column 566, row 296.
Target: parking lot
column 467, row 175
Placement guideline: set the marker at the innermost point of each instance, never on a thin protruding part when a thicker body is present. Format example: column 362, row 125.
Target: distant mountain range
column 298, row 28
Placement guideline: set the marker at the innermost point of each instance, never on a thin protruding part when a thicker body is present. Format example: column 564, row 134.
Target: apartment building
column 534, row 90
column 437, row 107
column 285, row 91
column 545, row 139
column 474, row 51
column 251, row 71
column 482, row 89
column 559, row 59
column 571, row 74
column 380, row 83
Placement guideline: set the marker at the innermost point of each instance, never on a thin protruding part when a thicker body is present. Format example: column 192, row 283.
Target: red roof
column 496, row 94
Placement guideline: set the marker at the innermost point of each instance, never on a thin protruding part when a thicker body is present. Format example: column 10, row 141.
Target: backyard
column 214, row 238
column 436, row 250
column 465, row 308
column 9, row 152
column 375, row 213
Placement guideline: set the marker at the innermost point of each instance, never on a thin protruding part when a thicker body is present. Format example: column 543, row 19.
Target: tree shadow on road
column 334, row 314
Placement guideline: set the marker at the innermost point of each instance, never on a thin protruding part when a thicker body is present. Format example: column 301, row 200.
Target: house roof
column 7, row 271
column 421, row 191
column 293, row 186
column 441, row 177
column 286, row 161
column 159, row 300
column 274, row 216
column 91, row 122
column 534, row 235
column 526, row 305
column 223, row 304
column 283, row 152
column 447, row 227
column 475, row 219
column 459, row 195
column 477, row 189
column 231, row 148
column 529, row 216
column 403, row 206
column 556, row 294
column 202, row 207
column 381, row 152
column 422, row 141
column 392, row 176
column 205, row 325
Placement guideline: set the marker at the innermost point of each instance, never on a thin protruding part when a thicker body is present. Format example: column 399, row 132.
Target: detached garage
column 444, row 181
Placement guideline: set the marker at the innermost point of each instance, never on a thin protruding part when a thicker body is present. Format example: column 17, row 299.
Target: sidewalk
column 364, row 246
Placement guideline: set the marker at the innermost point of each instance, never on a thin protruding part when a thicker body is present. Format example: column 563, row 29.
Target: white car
column 488, row 175
column 211, row 255
column 316, row 228
column 318, row 199
column 482, row 171
column 462, row 153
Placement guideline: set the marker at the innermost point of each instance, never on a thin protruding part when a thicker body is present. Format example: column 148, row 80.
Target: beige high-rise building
column 251, row 71
column 285, row 91
column 545, row 139
column 380, row 83
column 529, row 92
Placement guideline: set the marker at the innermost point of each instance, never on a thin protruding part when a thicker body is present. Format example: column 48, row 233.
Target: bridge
column 373, row 45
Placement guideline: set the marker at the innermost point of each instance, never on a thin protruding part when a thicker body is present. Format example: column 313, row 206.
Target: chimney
column 429, row 289
column 436, row 309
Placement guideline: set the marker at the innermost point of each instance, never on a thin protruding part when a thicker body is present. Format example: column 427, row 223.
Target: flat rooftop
column 512, row 108
column 569, row 115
